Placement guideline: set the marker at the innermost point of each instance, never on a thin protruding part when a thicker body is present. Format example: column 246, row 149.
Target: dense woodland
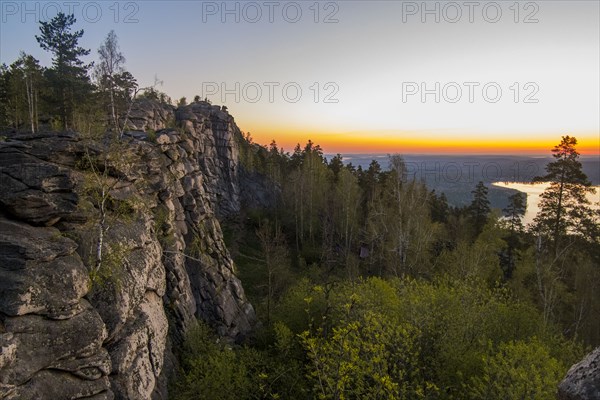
column 368, row 285
column 371, row 286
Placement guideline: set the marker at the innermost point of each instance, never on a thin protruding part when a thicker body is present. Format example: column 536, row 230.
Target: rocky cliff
column 71, row 327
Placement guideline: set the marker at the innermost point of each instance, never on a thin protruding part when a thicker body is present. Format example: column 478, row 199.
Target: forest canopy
column 371, row 286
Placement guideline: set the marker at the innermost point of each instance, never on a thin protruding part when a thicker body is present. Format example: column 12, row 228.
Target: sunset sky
column 351, row 75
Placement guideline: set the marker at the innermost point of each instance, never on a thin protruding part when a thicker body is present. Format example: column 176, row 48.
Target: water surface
column 533, row 191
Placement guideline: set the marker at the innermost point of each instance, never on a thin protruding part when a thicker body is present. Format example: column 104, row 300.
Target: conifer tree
column 515, row 211
column 563, row 205
column 480, row 207
column 69, row 74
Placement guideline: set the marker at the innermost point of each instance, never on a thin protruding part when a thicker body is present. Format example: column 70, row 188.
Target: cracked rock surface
column 66, row 336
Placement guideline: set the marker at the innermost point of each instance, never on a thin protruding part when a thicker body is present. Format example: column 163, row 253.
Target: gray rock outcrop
column 70, row 330
column 152, row 115
column 583, row 379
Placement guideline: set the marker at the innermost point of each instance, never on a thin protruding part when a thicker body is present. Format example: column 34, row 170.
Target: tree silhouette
column 335, row 165
column 480, row 207
column 68, row 75
column 514, row 212
column 563, row 205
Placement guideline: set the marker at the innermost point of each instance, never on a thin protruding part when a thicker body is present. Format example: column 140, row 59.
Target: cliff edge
column 71, row 327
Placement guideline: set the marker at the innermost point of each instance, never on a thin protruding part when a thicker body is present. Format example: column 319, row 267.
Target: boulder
column 583, row 379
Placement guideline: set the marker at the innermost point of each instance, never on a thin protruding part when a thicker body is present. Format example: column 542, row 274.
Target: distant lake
column 457, row 175
column 533, row 191
column 435, row 169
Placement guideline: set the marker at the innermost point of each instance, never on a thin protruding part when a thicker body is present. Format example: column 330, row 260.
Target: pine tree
column 515, row 211
column 335, row 165
column 68, row 76
column 479, row 208
column 438, row 207
column 563, row 205
column 564, row 217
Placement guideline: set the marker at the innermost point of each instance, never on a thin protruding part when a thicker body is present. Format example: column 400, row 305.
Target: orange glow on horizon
column 419, row 142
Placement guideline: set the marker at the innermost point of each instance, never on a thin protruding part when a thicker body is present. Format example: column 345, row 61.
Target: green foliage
column 111, row 269
column 172, row 123
column 305, row 196
column 458, row 319
column 413, row 339
column 25, row 82
column 566, row 243
column 439, row 208
column 368, row 358
column 212, row 369
column 161, row 218
column 514, row 238
column 5, row 109
column 88, row 120
column 276, row 274
column 370, row 286
column 469, row 283
column 68, row 76
column 564, row 206
column 515, row 210
column 518, row 370
column 151, row 134
column 442, row 319
column 480, row 207
column 300, row 304
column 154, row 94
column 116, row 86
column 106, row 206
column 479, row 259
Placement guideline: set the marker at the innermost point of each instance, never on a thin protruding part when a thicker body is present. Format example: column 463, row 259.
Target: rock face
column 212, row 142
column 71, row 329
column 150, row 115
column 583, row 379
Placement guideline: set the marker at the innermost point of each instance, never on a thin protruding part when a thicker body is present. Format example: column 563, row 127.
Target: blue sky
column 353, row 61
